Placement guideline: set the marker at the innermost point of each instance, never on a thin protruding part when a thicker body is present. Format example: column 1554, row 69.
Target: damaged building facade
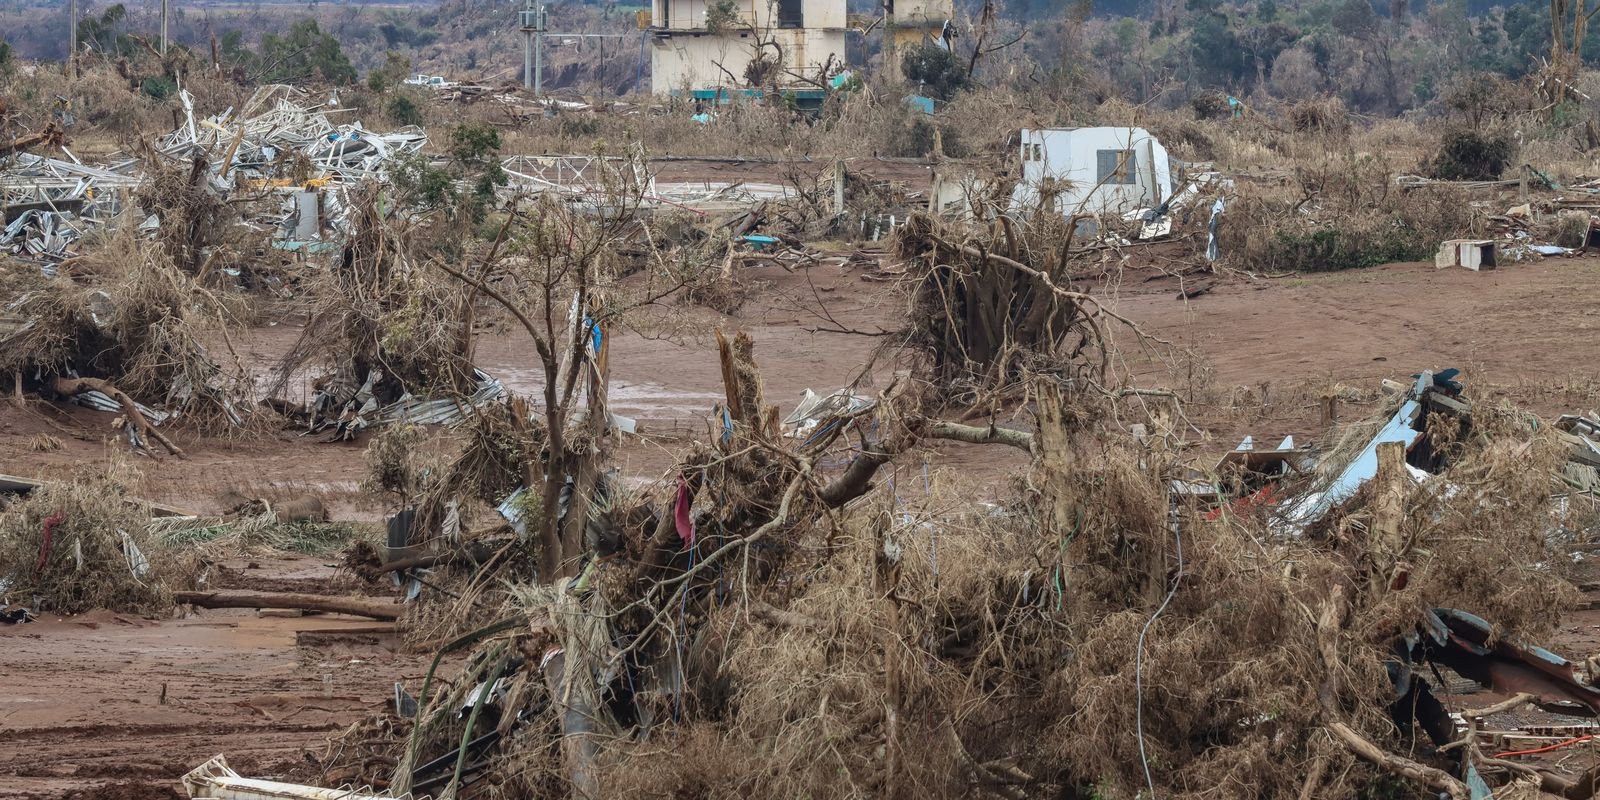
column 700, row 49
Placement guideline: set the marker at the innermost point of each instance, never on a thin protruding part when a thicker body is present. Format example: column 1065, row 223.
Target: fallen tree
column 355, row 606
column 67, row 387
column 51, row 135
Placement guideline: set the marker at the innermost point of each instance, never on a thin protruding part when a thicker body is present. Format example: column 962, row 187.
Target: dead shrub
column 1340, row 215
column 195, row 218
column 43, row 443
column 1324, row 116
column 1572, row 228
column 383, row 312
column 982, row 314
column 1211, row 104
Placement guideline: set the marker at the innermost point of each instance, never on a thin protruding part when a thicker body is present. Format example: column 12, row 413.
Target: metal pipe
column 165, row 4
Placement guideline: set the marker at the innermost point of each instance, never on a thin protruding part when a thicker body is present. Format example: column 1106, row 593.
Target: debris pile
column 941, row 657
column 395, row 331
column 279, row 144
column 69, row 547
column 50, row 203
column 126, row 331
column 780, row 610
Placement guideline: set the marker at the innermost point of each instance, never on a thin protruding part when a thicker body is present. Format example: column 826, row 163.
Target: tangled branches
column 989, row 311
column 380, row 310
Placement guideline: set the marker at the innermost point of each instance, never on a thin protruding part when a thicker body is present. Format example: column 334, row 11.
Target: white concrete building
column 686, row 57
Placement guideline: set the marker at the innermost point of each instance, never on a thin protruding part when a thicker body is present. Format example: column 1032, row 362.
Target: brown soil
column 82, row 711
column 104, row 696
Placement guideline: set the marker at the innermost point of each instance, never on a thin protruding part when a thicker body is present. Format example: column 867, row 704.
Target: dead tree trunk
column 577, row 728
column 355, row 606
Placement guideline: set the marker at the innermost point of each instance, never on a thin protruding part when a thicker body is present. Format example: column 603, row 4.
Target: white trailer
column 1092, row 171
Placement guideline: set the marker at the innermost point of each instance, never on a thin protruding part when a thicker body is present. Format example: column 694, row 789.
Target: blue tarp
column 920, row 103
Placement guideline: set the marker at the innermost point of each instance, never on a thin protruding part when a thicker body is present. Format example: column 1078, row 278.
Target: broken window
column 1116, row 166
column 790, row 14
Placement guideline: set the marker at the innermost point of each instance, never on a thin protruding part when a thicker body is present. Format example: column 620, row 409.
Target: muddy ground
column 117, row 701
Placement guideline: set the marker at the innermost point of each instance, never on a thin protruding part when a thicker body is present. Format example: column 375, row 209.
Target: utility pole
column 533, row 26
column 164, row 13
column 72, row 41
column 529, row 23
column 538, row 54
column 891, row 60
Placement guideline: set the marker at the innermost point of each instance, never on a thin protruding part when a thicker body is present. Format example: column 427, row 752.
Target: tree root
column 72, row 386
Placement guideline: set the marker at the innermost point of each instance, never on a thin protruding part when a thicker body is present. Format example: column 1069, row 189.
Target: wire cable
column 1138, row 665
column 1546, row 748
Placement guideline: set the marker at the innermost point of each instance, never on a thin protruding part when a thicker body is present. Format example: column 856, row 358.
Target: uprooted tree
column 776, row 611
column 125, row 320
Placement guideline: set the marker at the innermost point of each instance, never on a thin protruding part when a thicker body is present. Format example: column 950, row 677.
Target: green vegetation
column 1471, row 156
column 159, row 88
column 306, row 53
column 474, row 162
column 404, row 111
column 107, row 33
column 396, row 66
column 936, row 69
column 475, row 150
column 721, row 15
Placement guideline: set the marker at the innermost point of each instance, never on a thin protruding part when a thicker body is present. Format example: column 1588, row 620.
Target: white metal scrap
column 61, row 199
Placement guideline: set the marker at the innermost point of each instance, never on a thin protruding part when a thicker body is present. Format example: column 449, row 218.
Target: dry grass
column 1341, row 213
column 134, row 319
column 43, row 443
column 264, row 534
column 86, row 564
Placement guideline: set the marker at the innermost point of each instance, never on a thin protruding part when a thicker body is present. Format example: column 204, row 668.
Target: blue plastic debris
column 920, row 103
column 759, row 242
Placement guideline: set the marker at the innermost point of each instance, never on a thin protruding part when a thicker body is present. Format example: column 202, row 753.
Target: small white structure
column 1093, row 170
column 1474, row 254
column 429, row 81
